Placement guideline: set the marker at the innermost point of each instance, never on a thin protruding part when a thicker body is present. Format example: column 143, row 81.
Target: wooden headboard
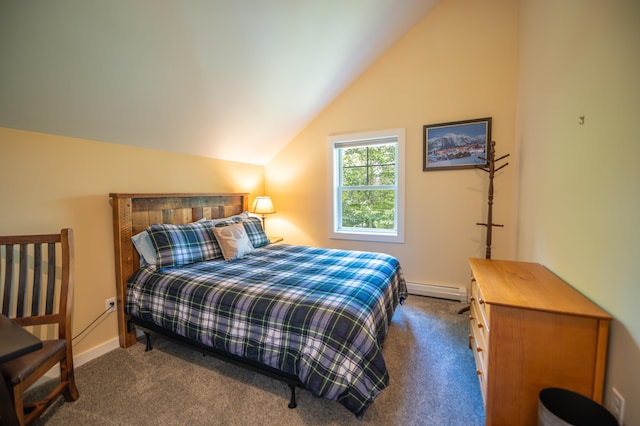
column 133, row 213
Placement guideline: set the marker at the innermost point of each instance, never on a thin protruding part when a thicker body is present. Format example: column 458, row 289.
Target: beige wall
column 50, row 182
column 458, row 63
column 580, row 193
column 576, row 208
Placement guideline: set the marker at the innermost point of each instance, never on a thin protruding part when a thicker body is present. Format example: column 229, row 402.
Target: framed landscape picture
column 456, row 145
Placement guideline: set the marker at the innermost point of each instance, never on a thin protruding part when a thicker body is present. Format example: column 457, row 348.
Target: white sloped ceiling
column 228, row 79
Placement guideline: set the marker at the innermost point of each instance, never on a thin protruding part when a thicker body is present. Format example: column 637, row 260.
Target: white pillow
column 233, row 240
column 146, row 250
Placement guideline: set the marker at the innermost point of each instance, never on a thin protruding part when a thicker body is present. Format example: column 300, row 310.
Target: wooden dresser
column 530, row 330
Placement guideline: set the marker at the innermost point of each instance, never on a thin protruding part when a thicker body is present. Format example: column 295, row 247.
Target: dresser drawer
column 481, row 367
column 478, row 316
column 479, row 335
column 483, row 309
column 478, row 330
column 478, row 344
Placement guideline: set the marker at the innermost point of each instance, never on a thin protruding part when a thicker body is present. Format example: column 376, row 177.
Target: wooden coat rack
column 491, row 170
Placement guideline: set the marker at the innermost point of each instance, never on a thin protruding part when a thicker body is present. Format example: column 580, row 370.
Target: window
column 367, row 186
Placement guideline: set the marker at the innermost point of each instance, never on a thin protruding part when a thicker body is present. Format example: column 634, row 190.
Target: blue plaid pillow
column 253, row 226
column 177, row 245
column 220, row 223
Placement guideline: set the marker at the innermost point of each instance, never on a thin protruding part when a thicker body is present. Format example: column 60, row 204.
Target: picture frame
column 456, row 145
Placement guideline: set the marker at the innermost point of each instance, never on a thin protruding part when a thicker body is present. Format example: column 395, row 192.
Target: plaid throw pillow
column 253, row 226
column 220, row 223
column 177, row 245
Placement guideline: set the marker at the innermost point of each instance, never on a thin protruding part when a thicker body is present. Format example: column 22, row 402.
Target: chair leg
column 18, row 402
column 70, row 392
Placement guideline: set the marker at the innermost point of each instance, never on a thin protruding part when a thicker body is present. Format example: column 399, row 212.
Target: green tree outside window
column 368, row 172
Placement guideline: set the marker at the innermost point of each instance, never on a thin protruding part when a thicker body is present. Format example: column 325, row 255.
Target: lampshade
column 263, row 205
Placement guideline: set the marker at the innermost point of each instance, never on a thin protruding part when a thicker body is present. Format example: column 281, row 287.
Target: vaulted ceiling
column 228, row 79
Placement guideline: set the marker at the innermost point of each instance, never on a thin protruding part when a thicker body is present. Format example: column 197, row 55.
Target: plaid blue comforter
column 319, row 314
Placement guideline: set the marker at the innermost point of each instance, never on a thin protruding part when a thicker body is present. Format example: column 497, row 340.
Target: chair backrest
column 36, row 279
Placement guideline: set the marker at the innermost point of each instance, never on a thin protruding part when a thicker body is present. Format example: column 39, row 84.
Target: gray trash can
column 561, row 407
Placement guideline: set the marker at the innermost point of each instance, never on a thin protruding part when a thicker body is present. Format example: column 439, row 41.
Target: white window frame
column 362, row 139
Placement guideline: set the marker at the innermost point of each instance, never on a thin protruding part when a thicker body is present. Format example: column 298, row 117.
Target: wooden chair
column 36, row 290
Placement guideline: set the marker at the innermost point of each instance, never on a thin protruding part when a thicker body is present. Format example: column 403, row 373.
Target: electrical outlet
column 110, row 305
column 617, row 405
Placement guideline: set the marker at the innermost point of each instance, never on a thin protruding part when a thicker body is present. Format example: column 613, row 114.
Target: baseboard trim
column 440, row 291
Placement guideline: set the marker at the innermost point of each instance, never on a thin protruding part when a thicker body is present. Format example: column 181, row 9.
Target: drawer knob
column 480, row 325
column 478, row 372
column 471, row 318
column 479, row 349
column 481, row 301
column 470, row 336
column 472, row 299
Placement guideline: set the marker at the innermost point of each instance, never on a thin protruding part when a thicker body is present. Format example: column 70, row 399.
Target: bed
column 314, row 318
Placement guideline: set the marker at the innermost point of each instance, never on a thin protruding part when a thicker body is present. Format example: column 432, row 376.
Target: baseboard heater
column 440, row 291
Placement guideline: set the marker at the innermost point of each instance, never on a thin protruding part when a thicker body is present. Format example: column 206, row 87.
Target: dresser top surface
column 530, row 286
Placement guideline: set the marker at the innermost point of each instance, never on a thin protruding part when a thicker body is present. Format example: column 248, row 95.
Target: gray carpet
column 433, row 382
